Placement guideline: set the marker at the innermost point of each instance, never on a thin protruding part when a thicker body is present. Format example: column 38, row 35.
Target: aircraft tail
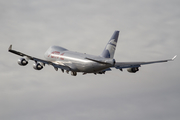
column 111, row 46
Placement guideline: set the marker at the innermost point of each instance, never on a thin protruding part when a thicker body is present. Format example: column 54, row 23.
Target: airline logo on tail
column 111, row 46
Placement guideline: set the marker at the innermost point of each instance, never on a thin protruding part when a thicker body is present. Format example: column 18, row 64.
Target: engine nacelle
column 133, row 70
column 37, row 66
column 22, row 62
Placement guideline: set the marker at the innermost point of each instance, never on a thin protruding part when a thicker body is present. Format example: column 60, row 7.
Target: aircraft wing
column 28, row 57
column 122, row 65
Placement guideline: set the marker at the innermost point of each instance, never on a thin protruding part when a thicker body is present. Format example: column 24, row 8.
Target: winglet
column 10, row 47
column 174, row 57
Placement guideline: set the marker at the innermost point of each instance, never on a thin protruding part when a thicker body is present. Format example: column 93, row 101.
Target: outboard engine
column 133, row 70
column 22, row 62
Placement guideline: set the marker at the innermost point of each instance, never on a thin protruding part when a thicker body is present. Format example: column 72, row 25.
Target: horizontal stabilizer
column 98, row 61
column 107, row 61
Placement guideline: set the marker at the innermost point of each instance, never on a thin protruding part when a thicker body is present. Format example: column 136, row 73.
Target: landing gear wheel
column 73, row 73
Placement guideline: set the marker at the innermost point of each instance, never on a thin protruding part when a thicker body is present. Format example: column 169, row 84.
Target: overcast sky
column 149, row 30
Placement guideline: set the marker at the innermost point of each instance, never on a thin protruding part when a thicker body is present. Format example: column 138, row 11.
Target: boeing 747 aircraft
column 64, row 59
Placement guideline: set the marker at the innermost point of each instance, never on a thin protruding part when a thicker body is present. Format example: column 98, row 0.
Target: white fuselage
column 76, row 61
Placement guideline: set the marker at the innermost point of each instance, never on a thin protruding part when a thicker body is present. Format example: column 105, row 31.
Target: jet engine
column 37, row 66
column 22, row 62
column 133, row 70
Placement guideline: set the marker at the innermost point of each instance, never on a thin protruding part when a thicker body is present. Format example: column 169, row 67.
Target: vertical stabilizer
column 111, row 46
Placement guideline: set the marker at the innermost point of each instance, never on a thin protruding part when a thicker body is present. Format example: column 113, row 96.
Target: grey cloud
column 149, row 31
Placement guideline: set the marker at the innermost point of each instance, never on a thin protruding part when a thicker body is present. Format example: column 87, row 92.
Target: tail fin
column 111, row 46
